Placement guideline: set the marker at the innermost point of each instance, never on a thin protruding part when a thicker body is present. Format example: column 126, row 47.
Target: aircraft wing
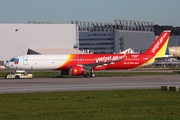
column 162, row 59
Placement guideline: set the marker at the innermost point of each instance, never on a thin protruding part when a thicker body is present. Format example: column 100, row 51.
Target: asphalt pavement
column 84, row 84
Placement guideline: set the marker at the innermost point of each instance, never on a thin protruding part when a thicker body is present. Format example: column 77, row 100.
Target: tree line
column 174, row 30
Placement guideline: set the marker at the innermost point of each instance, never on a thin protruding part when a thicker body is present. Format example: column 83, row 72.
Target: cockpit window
column 14, row 60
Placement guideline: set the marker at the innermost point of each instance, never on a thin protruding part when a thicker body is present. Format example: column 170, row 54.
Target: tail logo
column 158, row 43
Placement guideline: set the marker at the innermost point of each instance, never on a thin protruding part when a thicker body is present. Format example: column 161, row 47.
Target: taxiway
column 82, row 84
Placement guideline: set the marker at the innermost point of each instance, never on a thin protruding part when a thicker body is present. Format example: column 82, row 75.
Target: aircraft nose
column 6, row 64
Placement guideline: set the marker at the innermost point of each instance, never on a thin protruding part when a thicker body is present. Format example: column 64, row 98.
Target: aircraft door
column 145, row 58
column 25, row 60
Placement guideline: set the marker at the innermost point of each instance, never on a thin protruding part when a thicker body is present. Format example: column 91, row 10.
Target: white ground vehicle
column 19, row 75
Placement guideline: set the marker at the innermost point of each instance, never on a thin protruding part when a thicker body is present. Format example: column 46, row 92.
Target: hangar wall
column 139, row 41
column 174, row 41
column 15, row 39
column 102, row 37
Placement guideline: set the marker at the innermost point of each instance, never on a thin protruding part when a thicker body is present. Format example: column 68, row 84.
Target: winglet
column 122, row 57
column 92, row 52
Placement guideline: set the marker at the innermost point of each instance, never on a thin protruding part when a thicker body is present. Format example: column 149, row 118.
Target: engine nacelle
column 76, row 70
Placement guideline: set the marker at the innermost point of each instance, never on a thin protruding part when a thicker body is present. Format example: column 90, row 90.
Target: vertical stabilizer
column 158, row 48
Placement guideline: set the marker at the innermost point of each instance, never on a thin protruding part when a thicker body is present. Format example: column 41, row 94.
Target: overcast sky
column 162, row 12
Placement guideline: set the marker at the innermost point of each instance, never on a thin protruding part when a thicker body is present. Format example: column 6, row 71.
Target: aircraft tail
column 158, row 48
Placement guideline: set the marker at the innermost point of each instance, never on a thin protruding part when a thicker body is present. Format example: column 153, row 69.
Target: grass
column 92, row 105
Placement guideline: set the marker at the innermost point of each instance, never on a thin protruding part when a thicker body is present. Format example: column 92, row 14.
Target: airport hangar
column 50, row 38
column 21, row 39
column 115, row 37
column 101, row 37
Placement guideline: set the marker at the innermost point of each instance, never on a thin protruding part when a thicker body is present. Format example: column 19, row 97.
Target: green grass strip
column 92, row 105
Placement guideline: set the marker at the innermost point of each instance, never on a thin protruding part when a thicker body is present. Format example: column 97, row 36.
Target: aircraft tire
column 86, row 75
column 93, row 75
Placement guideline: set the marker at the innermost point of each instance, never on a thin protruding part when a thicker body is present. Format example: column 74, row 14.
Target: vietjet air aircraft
column 85, row 64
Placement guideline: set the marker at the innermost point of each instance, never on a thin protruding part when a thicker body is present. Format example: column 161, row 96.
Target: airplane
column 86, row 64
column 174, row 51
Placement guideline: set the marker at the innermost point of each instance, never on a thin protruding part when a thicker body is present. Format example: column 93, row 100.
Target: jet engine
column 76, row 70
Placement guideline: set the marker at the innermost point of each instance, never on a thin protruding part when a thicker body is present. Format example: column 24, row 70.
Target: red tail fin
column 158, row 48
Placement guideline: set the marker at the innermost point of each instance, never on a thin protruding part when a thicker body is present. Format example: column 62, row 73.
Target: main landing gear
column 92, row 74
